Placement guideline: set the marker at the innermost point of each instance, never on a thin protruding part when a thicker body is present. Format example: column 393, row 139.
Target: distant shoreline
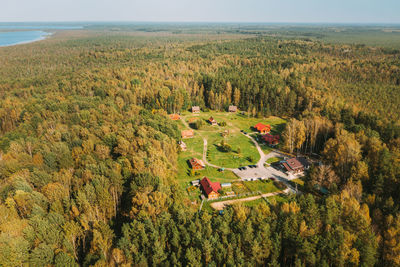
column 43, row 37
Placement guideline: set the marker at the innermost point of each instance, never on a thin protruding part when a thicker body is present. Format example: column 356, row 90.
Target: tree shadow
column 279, row 128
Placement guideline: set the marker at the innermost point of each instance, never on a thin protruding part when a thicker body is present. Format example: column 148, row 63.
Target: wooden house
column 262, row 128
column 174, row 117
column 196, row 109
column 212, row 121
column 197, row 164
column 271, row 139
column 296, row 165
column 187, row 134
column 182, row 145
column 209, row 188
column 232, row 109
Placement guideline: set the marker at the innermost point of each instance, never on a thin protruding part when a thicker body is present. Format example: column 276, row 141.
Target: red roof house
column 271, row 139
column 174, row 117
column 212, row 121
column 187, row 133
column 262, row 128
column 210, row 188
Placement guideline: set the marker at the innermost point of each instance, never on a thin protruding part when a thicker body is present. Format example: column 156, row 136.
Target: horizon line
column 205, row 22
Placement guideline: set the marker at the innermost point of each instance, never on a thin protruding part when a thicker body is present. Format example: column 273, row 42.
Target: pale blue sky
column 330, row 11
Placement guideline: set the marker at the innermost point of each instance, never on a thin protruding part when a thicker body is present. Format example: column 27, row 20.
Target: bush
column 225, row 147
column 197, row 124
column 279, row 185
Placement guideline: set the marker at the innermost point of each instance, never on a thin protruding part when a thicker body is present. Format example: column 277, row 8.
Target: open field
column 243, row 152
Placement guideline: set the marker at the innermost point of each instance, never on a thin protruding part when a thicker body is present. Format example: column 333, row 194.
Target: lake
column 21, row 37
column 21, row 33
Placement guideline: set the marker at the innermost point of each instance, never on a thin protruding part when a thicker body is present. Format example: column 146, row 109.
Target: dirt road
column 222, row 204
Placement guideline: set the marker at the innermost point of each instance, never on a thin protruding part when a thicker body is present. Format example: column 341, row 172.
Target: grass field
column 266, row 186
column 234, row 123
column 273, row 160
column 248, row 152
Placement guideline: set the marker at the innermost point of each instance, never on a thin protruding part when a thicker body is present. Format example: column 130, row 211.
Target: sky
column 290, row 11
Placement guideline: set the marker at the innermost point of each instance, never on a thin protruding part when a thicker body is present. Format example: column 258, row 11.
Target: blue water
column 39, row 27
column 21, row 37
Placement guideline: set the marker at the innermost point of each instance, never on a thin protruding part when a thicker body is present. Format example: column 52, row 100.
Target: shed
column 232, row 109
column 195, row 109
column 195, row 182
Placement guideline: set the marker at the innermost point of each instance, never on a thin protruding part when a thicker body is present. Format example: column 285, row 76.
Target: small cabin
column 174, row 117
column 232, row 109
column 196, row 109
column 197, row 164
column 212, row 121
column 187, row 134
column 195, row 182
column 182, row 145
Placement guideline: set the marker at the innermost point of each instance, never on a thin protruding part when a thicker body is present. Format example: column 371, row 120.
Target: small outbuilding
column 212, row 121
column 197, row 164
column 226, row 185
column 174, row 117
column 195, row 109
column 195, row 182
column 232, row 109
column 187, row 134
column 182, row 145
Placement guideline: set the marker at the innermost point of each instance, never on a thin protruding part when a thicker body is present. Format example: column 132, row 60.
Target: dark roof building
column 296, row 165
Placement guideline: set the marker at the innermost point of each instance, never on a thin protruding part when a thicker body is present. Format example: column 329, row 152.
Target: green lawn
column 239, row 121
column 248, row 151
column 213, row 134
column 266, row 186
column 273, row 160
column 246, row 123
column 184, row 173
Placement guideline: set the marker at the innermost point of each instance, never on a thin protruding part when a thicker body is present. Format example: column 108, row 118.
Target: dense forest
column 88, row 156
